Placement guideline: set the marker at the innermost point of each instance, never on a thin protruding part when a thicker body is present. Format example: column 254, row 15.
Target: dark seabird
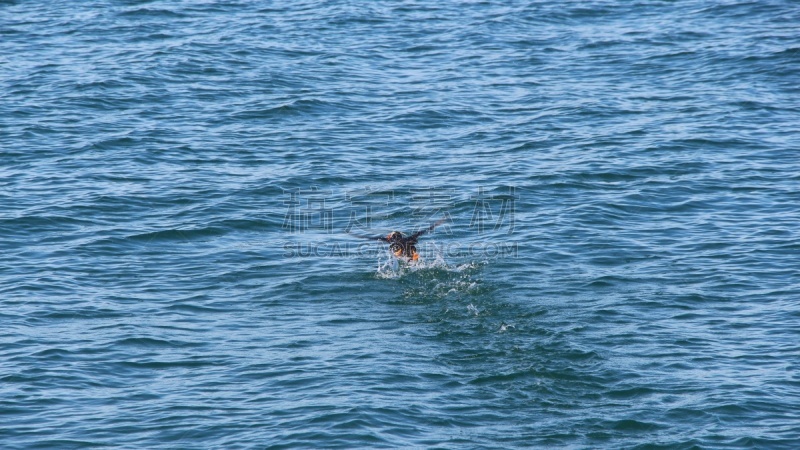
column 403, row 246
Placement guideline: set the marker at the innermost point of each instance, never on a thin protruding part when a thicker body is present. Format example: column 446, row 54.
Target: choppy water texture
column 620, row 266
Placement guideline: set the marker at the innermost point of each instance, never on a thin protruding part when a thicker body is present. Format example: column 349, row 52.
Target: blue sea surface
column 192, row 195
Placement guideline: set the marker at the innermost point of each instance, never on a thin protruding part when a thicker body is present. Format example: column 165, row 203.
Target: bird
column 401, row 245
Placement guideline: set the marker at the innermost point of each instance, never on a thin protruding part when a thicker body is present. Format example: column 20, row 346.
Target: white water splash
column 390, row 266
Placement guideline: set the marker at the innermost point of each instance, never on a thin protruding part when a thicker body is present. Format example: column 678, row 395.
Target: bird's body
column 402, row 246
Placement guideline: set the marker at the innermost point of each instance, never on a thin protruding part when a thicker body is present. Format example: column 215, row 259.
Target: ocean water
column 185, row 189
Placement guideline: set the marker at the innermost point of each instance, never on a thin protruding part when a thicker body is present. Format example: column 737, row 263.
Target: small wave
column 151, row 13
column 177, row 235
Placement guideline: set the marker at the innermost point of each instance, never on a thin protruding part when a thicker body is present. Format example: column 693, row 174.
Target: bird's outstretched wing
column 430, row 228
column 371, row 238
